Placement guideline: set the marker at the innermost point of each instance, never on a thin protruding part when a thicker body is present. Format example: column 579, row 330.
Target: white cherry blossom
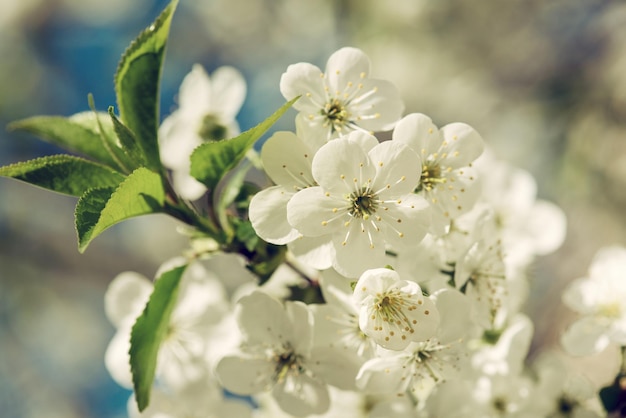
column 277, row 355
column 343, row 98
column 394, row 312
column 422, row 365
column 363, row 202
column 528, row 226
column 601, row 299
column 208, row 107
column 448, row 181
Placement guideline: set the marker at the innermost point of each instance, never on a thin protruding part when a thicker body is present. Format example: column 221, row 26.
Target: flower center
column 363, row 203
column 211, row 130
column 431, row 175
column 566, row 405
column 390, row 307
column 500, row 404
column 610, row 310
column 286, row 363
column 336, row 114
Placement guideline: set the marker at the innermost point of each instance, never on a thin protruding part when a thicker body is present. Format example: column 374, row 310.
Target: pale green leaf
column 137, row 85
column 140, row 194
column 212, row 160
column 149, row 331
column 65, row 174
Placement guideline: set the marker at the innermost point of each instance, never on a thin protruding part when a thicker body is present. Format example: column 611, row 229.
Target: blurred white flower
column 342, row 99
column 200, row 306
column 563, row 393
column 277, row 355
column 601, row 299
column 208, row 107
column 528, row 226
column 202, row 399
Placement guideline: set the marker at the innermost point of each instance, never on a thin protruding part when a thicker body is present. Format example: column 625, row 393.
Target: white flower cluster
column 420, row 245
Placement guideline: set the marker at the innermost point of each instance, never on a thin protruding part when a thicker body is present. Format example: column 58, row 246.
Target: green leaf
column 137, row 85
column 212, row 160
column 140, row 194
column 79, row 133
column 65, row 174
column 128, row 141
column 150, row 330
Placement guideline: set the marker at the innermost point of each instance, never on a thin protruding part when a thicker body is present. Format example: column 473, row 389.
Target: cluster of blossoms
column 420, row 246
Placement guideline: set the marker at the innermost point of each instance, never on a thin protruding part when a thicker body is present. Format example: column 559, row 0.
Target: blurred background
column 543, row 82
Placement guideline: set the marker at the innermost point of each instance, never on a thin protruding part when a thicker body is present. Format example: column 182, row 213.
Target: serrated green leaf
column 128, row 141
column 149, row 331
column 64, row 174
column 137, row 85
column 212, row 160
column 78, row 134
column 140, row 194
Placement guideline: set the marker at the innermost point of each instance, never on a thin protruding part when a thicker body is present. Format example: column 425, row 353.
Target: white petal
column 383, row 375
column 357, row 249
column 117, row 359
column 547, row 226
column 312, row 133
column 419, row 132
column 314, row 213
column 268, row 215
column 385, row 105
column 194, row 94
column 342, row 166
column 335, row 367
column 346, row 65
column 126, row 297
column 405, row 224
column 303, row 79
column 187, row 187
column 362, row 139
column 301, row 319
column 316, row 252
column 585, row 337
column 301, row 395
column 398, row 169
column 374, row 281
column 245, row 375
column 262, row 320
column 454, row 309
column 229, row 92
column 610, row 263
column 178, row 137
column 582, row 296
column 464, row 145
column 287, row 160
column 457, row 196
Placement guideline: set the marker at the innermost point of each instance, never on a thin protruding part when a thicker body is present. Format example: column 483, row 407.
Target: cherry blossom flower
column 448, row 181
column 528, row 226
column 600, row 298
column 343, row 98
column 422, row 365
column 394, row 312
column 277, row 355
column 208, row 107
column 363, row 202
